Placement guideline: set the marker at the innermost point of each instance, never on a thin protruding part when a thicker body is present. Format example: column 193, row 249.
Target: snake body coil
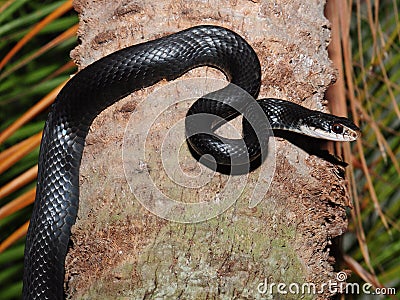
column 110, row 79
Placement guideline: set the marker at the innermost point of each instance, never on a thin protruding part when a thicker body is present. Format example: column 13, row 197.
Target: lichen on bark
column 122, row 250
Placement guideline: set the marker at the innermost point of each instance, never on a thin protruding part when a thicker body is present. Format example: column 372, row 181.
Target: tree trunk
column 279, row 234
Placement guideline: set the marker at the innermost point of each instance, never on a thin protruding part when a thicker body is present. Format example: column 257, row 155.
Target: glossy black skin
column 110, row 79
column 80, row 101
column 291, row 116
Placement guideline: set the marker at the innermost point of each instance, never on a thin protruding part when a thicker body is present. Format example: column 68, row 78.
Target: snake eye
column 337, row 128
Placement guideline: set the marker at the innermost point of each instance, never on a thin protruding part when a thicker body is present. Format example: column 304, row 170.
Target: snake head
column 329, row 127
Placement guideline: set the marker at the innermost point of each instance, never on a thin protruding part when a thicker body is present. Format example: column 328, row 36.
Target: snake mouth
column 347, row 135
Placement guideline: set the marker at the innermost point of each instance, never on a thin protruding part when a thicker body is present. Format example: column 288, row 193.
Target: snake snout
column 330, row 127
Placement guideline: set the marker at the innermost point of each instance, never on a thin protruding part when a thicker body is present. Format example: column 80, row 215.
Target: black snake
column 117, row 75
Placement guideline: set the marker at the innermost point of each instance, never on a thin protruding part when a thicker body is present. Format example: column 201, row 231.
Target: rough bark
column 120, row 249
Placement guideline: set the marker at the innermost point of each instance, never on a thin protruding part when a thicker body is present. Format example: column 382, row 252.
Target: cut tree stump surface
column 120, row 249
